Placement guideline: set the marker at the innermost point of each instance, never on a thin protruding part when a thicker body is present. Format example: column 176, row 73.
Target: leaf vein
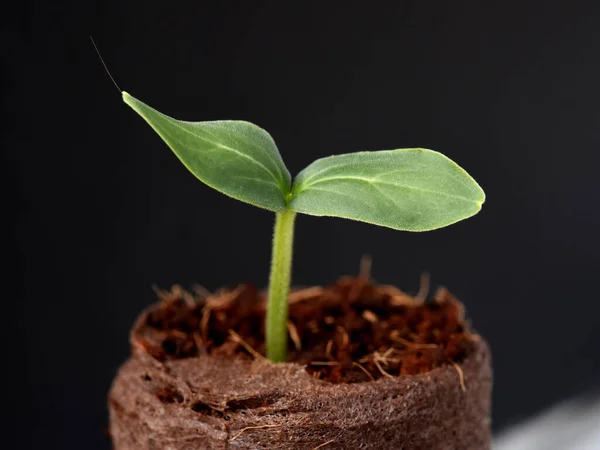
column 225, row 147
column 386, row 183
column 276, row 163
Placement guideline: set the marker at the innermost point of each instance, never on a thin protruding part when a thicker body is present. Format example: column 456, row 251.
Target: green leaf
column 234, row 157
column 406, row 189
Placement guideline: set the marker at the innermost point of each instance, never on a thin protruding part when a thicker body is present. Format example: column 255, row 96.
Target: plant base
column 193, row 385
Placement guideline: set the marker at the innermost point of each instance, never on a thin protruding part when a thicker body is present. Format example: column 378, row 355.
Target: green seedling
column 409, row 189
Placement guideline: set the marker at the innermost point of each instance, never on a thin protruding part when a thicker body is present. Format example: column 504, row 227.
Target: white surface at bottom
column 573, row 425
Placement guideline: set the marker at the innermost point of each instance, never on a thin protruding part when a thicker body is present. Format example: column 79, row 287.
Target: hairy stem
column 279, row 286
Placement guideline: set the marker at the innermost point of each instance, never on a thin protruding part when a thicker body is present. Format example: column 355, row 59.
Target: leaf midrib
column 375, row 181
column 225, row 147
column 276, row 164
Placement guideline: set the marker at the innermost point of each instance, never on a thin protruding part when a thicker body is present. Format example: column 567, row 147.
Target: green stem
column 279, row 286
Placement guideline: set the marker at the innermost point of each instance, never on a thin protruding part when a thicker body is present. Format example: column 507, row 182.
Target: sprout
column 410, row 189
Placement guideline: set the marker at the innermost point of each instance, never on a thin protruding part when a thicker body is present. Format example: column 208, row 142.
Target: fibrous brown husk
column 204, row 391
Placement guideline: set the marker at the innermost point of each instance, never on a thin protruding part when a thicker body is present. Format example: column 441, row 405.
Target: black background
column 99, row 209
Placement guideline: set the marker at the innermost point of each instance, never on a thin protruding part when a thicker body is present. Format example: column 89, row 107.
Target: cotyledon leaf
column 405, row 189
column 234, row 157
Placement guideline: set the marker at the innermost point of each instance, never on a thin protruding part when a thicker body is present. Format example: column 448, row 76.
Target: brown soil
column 196, row 378
column 352, row 331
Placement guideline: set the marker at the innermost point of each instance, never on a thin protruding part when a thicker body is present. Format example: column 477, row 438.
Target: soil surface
column 353, row 331
column 196, row 377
